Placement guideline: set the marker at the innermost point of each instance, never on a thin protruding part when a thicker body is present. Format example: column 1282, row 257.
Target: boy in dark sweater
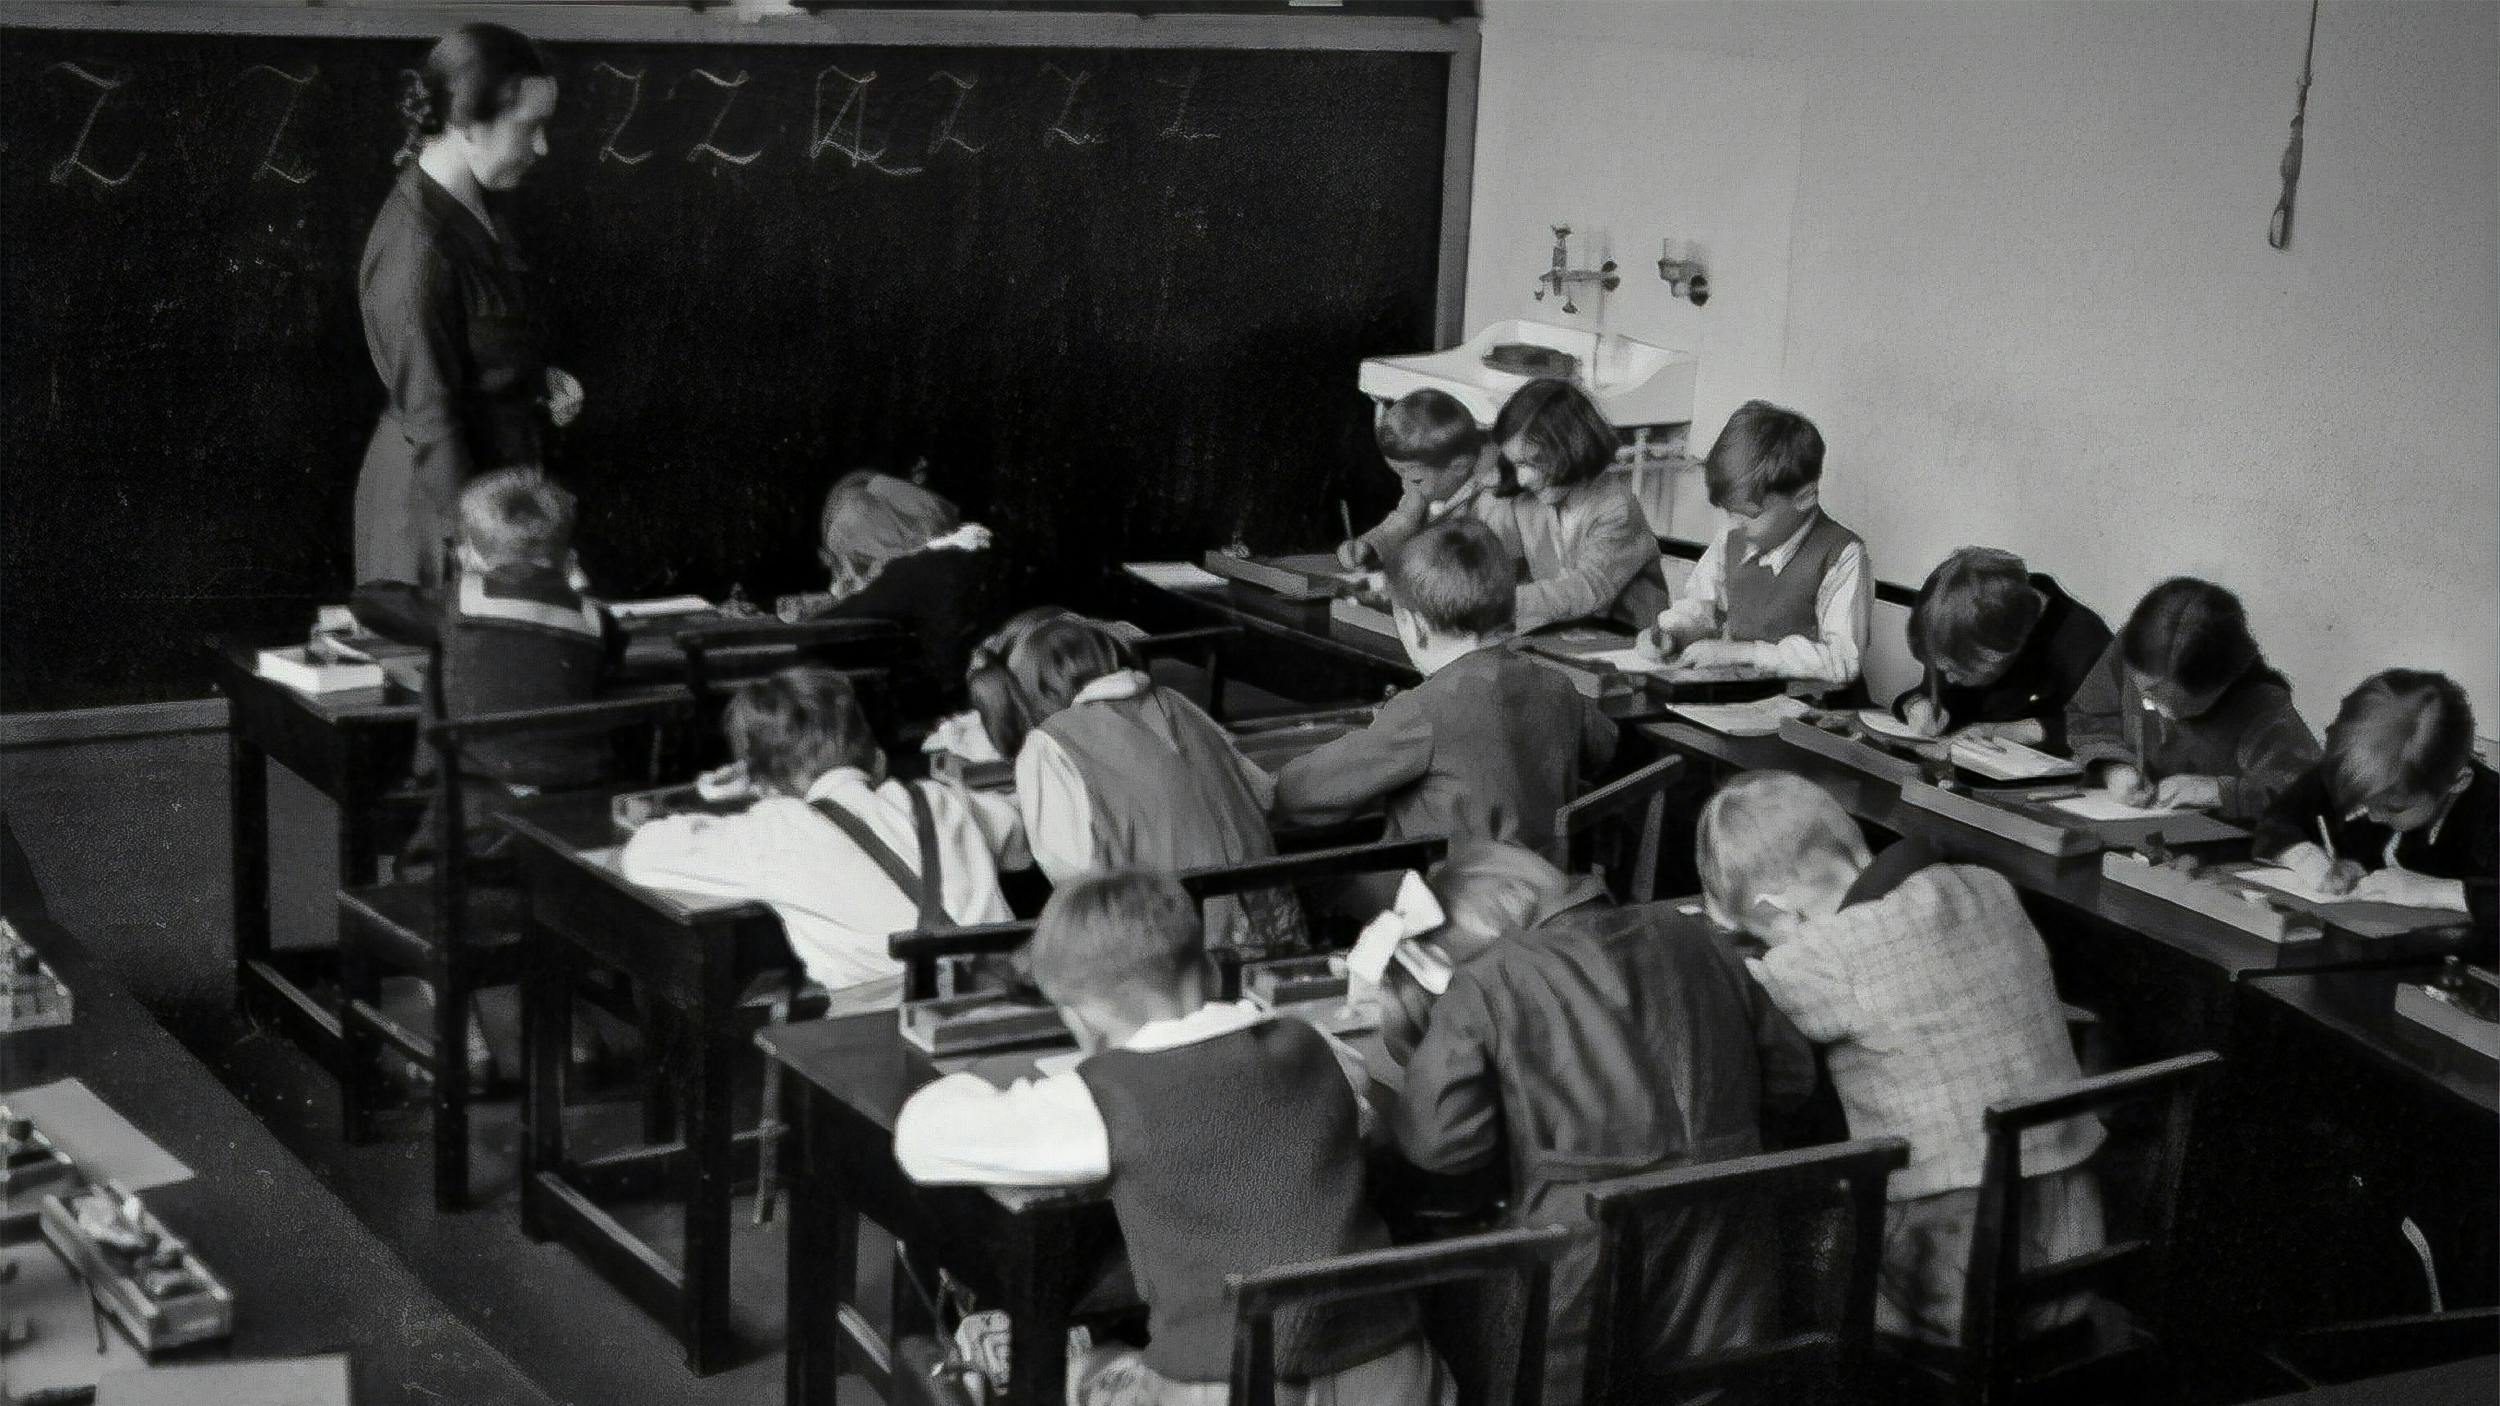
column 515, row 631
column 2004, row 651
column 1231, row 1140
column 1489, row 746
column 2399, row 810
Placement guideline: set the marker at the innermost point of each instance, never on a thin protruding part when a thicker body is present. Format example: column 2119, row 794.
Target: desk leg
column 247, row 810
column 546, row 1041
column 824, row 1254
column 711, row 1055
column 1038, row 1299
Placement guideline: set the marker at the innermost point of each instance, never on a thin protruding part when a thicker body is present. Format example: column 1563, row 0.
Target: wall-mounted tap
column 1685, row 276
column 1562, row 278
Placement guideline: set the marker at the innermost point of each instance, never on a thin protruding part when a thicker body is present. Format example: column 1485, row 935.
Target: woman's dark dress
column 451, row 318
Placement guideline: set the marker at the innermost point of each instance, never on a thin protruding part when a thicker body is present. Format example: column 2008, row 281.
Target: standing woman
column 450, row 310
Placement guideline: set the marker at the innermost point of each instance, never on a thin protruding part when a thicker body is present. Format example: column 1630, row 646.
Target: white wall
column 2011, row 257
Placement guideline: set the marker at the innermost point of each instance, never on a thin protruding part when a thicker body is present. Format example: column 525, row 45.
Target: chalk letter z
column 76, row 161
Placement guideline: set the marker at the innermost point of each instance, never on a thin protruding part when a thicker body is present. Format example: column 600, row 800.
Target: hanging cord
column 2279, row 232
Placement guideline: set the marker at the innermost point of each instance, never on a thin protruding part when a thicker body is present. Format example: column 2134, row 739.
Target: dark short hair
column 1457, row 577
column 1032, row 668
column 2403, row 734
column 1977, row 601
column 1113, row 934
column 1428, row 427
column 2191, row 634
column 470, row 75
column 1763, row 449
column 795, row 725
column 1564, row 426
column 519, row 516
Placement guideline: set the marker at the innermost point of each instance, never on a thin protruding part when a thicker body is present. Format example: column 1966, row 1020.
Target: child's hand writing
column 2127, row 786
column 2188, row 792
column 1357, row 555
column 1924, row 717
column 2410, row 889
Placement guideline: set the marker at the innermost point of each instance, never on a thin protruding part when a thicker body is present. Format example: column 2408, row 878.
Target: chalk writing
column 609, row 150
column 946, row 134
column 1180, row 128
column 705, row 147
column 76, row 162
column 829, row 136
column 1059, row 129
column 295, row 87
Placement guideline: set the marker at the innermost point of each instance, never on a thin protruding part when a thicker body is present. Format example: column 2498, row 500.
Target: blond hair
column 515, row 517
column 1762, row 832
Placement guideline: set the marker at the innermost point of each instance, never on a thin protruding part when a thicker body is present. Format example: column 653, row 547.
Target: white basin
column 1635, row 383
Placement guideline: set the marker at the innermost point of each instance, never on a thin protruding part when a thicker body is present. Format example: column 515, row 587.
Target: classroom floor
column 129, row 842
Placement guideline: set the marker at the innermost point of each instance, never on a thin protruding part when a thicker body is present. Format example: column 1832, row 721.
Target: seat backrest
column 2001, row 1288
column 1524, row 1257
column 1293, row 871
column 719, row 656
column 923, row 949
column 1845, row 1178
column 1203, row 647
column 1613, row 831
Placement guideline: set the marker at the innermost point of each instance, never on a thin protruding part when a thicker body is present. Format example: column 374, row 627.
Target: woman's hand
column 2188, row 793
column 564, row 397
column 2126, row 785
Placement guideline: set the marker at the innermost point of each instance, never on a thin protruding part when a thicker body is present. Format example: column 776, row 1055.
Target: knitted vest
column 1230, row 1156
column 1767, row 605
column 1505, row 752
column 1167, row 795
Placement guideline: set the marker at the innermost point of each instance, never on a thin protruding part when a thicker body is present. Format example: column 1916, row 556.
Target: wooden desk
column 308, row 1277
column 690, row 962
column 2358, row 1008
column 1030, row 1253
column 2472, row 1382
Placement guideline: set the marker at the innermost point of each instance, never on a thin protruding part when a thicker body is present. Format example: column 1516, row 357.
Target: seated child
column 1934, row 1000
column 2183, row 711
column 1582, row 1041
column 1438, row 452
column 1584, row 546
column 846, row 855
column 2004, row 651
column 902, row 554
column 2399, row 810
column 1785, row 590
column 1115, row 771
column 1489, row 746
column 514, row 629
column 1231, row 1139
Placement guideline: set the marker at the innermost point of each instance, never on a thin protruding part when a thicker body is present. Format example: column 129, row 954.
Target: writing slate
column 1114, row 298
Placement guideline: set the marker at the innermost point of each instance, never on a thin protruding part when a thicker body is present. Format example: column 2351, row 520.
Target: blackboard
column 1115, row 299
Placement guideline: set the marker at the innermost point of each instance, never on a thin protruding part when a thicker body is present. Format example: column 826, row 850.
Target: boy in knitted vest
column 1230, row 1140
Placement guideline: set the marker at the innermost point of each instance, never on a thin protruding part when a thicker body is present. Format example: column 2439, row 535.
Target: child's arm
column 1448, row 1116
column 1613, row 546
column 1057, row 809
column 1001, row 826
column 1599, row 737
column 1404, row 521
column 1035, row 1132
column 1357, row 771
column 716, row 856
column 1780, row 1048
column 2293, row 818
column 2096, row 715
column 1834, row 652
column 1812, row 987
column 1696, row 612
column 2274, row 750
column 1262, row 784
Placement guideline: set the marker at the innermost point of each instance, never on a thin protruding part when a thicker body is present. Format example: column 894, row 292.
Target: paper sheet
column 1760, row 718
column 104, row 1144
column 1174, row 575
column 658, row 606
column 2289, row 881
column 2000, row 760
column 2099, row 805
column 1883, row 724
column 301, row 1381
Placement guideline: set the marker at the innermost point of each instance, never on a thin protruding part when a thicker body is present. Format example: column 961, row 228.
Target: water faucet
column 1562, row 278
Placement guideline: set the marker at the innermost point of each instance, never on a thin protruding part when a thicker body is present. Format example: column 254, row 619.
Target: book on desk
column 1300, row 576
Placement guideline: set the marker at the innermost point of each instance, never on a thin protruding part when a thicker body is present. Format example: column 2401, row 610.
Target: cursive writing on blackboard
column 76, row 162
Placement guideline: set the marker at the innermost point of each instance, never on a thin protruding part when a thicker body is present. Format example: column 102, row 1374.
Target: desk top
column 2467, row 1383
column 308, row 1277
column 2360, row 1007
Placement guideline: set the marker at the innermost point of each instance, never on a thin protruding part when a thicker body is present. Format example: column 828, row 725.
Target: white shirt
column 1841, row 604
column 1058, row 809
column 836, row 905
column 1047, row 1131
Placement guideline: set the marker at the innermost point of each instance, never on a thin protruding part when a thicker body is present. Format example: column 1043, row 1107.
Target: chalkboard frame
column 1459, row 38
